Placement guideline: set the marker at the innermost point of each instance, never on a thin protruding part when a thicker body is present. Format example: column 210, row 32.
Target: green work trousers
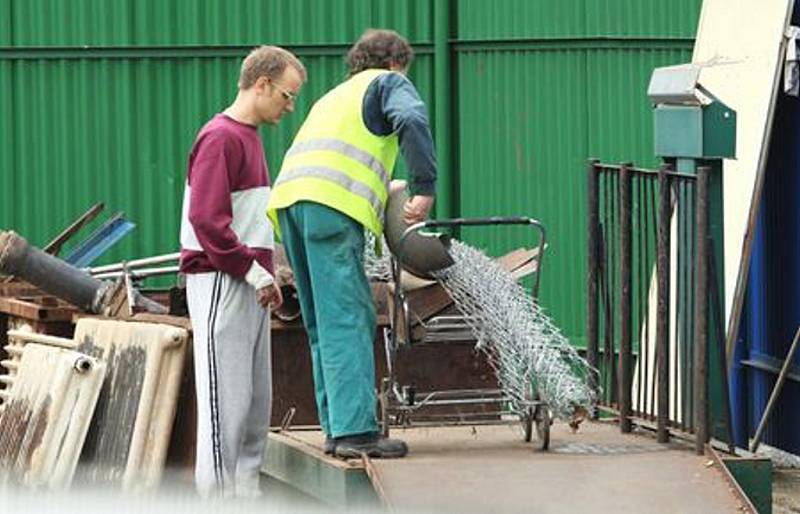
column 325, row 249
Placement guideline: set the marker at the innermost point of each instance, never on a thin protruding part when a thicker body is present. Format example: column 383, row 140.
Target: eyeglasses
column 288, row 95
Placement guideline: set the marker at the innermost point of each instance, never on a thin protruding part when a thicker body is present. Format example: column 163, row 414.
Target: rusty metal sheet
column 44, row 422
column 128, row 440
column 454, row 365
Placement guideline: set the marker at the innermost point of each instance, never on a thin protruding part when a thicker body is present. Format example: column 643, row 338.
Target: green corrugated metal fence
column 100, row 101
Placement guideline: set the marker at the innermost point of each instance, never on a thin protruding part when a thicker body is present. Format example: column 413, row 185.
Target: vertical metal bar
column 682, row 306
column 641, row 297
column 625, row 233
column 719, row 325
column 662, row 312
column 443, row 107
column 646, row 348
column 592, row 266
column 690, row 348
column 701, row 313
column 653, row 242
column 613, row 272
column 607, row 247
column 676, row 400
column 605, row 278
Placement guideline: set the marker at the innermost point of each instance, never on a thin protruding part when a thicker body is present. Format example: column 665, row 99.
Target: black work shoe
column 330, row 445
column 376, row 447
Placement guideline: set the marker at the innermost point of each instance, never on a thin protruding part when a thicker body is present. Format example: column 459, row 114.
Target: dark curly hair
column 379, row 48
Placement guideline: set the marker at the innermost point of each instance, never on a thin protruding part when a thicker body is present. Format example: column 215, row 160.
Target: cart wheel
column 527, row 423
column 543, row 423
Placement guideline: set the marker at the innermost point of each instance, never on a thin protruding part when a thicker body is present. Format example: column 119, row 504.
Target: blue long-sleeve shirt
column 392, row 104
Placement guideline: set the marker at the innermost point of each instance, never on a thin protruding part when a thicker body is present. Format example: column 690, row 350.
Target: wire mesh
column 533, row 360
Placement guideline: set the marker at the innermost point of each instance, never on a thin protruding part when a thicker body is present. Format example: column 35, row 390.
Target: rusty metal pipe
column 58, row 278
column 50, row 274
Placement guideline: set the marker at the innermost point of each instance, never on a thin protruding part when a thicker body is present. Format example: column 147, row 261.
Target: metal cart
column 401, row 404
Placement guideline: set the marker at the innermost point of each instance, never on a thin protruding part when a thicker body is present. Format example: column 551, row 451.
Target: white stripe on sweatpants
column 233, row 382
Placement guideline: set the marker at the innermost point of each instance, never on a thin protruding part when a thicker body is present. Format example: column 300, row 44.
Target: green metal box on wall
column 100, row 101
column 697, row 132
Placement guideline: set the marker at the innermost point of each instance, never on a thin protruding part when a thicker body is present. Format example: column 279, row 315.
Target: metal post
column 701, row 312
column 443, row 95
column 662, row 312
column 719, row 340
column 592, row 265
column 625, row 375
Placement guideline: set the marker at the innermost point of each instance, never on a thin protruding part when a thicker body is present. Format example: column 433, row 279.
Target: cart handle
column 465, row 222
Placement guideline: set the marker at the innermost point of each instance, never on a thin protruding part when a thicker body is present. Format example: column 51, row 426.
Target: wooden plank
column 43, row 308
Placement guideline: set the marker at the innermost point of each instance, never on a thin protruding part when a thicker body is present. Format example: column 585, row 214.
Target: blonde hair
column 269, row 61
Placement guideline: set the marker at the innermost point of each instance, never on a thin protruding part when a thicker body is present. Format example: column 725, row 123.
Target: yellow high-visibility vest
column 336, row 161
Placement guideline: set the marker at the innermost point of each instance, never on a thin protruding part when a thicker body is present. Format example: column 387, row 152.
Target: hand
column 396, row 185
column 417, row 208
column 269, row 296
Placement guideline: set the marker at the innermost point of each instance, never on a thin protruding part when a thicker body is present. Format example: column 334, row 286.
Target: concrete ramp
column 491, row 469
column 595, row 470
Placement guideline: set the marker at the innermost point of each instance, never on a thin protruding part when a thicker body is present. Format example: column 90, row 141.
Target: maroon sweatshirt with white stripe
column 224, row 226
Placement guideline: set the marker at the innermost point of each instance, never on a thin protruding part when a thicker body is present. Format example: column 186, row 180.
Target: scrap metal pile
column 107, row 394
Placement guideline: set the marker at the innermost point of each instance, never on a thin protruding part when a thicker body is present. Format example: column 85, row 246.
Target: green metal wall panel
column 523, row 145
column 513, row 19
column 7, row 136
column 5, row 22
column 537, row 88
column 530, row 119
column 642, row 18
column 119, row 131
column 619, row 114
column 211, row 22
column 522, row 19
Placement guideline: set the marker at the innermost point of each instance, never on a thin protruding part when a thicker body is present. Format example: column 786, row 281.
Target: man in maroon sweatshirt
column 226, row 254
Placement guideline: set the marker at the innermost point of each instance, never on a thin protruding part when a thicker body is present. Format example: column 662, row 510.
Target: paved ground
column 786, row 491
column 490, row 469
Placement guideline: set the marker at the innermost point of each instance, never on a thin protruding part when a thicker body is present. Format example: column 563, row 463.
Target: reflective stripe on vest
column 338, row 177
column 335, row 145
column 336, row 161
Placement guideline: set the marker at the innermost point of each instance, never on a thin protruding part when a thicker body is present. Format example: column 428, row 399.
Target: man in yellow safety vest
column 332, row 186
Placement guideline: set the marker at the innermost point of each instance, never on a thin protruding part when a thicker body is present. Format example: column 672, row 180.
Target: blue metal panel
column 87, row 251
column 772, row 309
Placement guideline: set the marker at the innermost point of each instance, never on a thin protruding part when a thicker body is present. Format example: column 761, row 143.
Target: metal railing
column 639, row 220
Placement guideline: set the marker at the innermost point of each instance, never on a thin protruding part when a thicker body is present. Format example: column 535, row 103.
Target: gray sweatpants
column 233, row 382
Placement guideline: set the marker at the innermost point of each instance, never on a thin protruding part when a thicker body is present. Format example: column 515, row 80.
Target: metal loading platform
column 491, row 468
